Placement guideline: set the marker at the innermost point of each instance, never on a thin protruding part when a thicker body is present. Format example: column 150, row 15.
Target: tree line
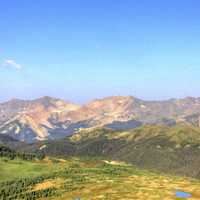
column 12, row 154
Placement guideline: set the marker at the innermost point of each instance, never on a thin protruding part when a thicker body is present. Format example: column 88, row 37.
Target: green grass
column 15, row 169
column 95, row 179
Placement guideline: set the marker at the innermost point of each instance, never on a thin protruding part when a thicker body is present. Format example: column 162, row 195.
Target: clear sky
column 84, row 49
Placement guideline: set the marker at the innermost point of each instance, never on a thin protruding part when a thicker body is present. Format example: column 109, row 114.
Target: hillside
column 162, row 148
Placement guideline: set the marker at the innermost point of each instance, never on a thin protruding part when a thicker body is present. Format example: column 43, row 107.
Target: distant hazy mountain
column 29, row 120
column 50, row 118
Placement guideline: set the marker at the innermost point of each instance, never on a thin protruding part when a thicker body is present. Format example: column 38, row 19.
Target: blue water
column 181, row 194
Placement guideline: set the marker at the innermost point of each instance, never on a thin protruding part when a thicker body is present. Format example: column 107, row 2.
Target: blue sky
column 84, row 49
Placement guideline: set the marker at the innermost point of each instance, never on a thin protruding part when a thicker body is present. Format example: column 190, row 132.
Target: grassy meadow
column 88, row 179
column 15, row 169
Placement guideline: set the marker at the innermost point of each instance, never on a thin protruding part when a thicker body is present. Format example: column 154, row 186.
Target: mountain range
column 52, row 118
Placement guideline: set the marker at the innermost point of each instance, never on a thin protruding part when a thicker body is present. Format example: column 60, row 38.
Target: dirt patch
column 113, row 162
column 56, row 183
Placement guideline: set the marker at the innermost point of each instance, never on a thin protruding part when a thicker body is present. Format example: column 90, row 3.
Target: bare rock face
column 48, row 117
column 29, row 120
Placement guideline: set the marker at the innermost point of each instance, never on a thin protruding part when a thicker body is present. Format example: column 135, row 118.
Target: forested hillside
column 173, row 149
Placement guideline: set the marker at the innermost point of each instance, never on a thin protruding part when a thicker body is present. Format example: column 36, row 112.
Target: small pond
column 182, row 194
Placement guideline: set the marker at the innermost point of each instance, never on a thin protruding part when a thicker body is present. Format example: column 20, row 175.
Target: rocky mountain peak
column 52, row 117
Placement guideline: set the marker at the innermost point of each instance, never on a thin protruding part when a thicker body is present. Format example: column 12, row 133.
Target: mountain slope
column 29, row 120
column 50, row 118
column 173, row 149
